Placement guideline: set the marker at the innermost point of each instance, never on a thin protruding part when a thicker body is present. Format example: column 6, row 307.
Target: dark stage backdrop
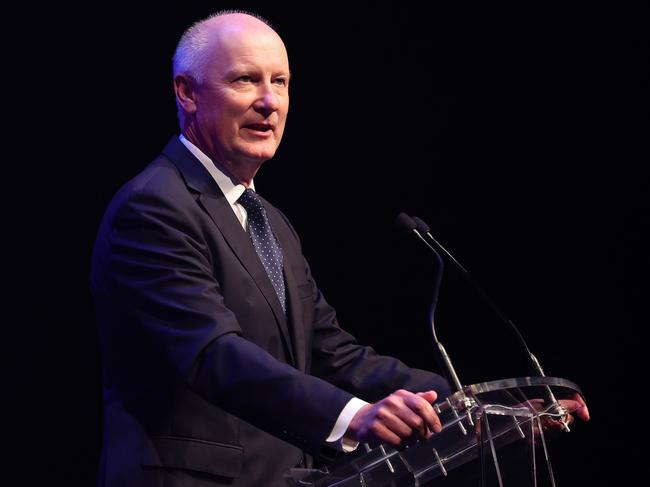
column 518, row 132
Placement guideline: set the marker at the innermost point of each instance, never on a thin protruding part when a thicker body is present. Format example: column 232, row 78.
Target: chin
column 259, row 154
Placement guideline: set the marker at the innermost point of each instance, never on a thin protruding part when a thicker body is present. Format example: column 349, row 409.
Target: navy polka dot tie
column 265, row 243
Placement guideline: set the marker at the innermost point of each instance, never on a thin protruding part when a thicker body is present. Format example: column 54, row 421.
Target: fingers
column 428, row 396
column 420, row 404
column 577, row 406
column 395, row 419
column 574, row 406
column 395, row 412
column 375, row 423
column 383, row 433
column 401, row 416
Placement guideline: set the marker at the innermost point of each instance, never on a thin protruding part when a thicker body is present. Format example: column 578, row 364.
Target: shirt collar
column 230, row 190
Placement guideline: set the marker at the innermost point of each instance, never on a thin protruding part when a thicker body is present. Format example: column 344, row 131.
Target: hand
column 575, row 407
column 402, row 416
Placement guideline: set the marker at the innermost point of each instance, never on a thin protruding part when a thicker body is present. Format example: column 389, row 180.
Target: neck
column 240, row 172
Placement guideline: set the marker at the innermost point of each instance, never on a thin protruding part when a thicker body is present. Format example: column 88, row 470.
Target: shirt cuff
column 342, row 423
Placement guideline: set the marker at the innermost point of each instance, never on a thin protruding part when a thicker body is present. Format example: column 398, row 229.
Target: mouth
column 262, row 128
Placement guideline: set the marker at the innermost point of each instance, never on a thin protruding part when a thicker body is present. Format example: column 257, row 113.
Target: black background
column 518, row 131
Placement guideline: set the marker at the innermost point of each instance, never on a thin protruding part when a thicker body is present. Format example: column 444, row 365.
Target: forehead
column 238, row 47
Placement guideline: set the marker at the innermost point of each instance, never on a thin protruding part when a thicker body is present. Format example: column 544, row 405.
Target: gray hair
column 191, row 55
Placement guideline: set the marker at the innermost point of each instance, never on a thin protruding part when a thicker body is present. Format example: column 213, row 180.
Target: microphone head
column 420, row 225
column 405, row 222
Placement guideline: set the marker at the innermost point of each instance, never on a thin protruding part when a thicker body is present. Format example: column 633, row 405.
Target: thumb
column 429, row 396
column 581, row 407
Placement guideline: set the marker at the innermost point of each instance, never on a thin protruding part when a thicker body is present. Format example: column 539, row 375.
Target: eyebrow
column 246, row 68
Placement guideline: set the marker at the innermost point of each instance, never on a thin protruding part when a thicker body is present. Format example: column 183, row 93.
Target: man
column 222, row 361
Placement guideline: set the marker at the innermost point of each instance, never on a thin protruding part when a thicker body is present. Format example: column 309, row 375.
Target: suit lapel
column 215, row 204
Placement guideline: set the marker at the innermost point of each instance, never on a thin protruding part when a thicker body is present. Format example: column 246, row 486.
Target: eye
column 245, row 78
column 281, row 81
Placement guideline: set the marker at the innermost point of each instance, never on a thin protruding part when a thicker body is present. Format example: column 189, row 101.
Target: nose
column 267, row 101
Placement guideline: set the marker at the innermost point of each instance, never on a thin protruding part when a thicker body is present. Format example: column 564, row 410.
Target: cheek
column 224, row 113
column 285, row 107
column 225, row 126
column 283, row 113
column 233, row 117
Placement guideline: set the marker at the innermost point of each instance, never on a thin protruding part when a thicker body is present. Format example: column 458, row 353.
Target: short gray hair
column 191, row 55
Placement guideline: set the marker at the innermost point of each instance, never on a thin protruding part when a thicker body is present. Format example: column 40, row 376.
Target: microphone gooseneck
column 407, row 224
column 421, row 228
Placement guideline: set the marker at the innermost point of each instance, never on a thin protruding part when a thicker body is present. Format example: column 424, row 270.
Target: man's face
column 242, row 103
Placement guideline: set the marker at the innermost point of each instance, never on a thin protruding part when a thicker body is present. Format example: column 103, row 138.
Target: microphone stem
column 559, row 409
column 450, row 367
column 468, row 277
column 434, row 301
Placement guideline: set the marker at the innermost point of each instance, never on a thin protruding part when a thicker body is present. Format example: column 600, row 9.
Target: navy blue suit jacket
column 206, row 381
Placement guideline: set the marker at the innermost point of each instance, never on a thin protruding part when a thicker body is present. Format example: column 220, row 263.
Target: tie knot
column 250, row 201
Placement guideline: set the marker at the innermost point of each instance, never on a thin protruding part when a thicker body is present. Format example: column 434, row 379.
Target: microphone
column 421, row 228
column 407, row 224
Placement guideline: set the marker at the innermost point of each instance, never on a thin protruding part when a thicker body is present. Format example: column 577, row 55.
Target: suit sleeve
column 151, row 261
column 339, row 359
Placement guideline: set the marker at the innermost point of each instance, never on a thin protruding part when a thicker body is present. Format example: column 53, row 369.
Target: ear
column 185, row 89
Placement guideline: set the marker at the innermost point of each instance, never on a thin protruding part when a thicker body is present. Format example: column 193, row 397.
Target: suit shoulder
column 159, row 177
column 158, row 187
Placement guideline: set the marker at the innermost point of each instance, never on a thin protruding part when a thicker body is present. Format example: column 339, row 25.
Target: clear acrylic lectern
column 476, row 422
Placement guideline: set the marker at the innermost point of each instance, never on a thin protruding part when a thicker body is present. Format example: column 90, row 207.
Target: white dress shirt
column 232, row 191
